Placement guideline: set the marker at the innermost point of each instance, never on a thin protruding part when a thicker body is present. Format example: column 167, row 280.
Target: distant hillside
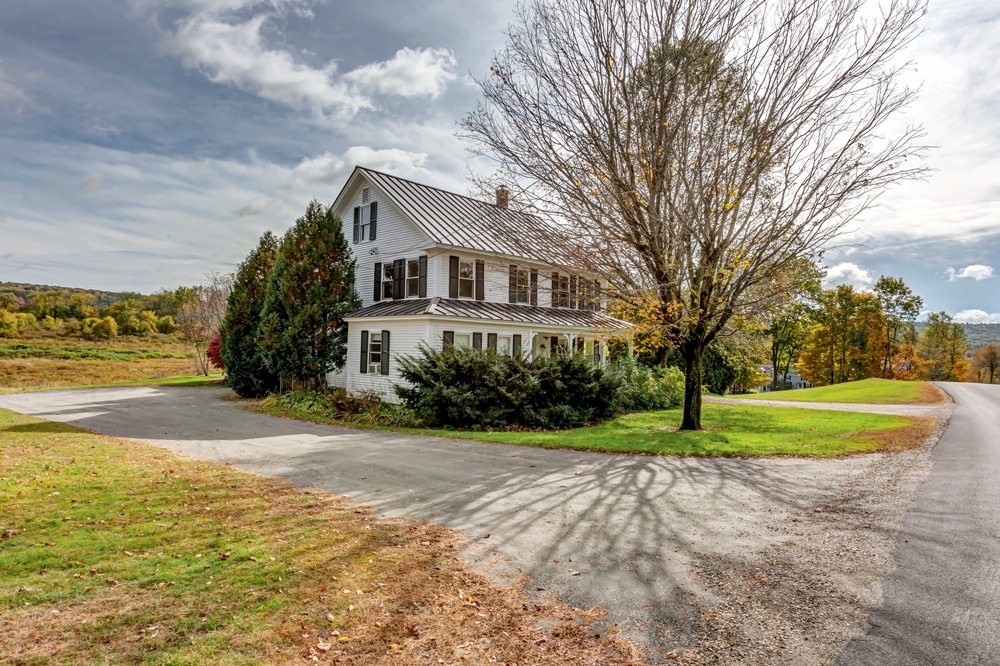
column 978, row 334
column 27, row 292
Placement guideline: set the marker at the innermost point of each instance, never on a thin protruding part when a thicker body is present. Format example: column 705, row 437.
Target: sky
column 144, row 143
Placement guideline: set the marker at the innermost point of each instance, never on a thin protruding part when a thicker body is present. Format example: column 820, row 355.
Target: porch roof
column 525, row 314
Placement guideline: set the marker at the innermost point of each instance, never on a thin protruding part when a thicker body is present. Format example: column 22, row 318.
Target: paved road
column 942, row 604
column 621, row 532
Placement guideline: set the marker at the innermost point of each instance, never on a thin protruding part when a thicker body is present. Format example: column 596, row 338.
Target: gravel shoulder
column 698, row 560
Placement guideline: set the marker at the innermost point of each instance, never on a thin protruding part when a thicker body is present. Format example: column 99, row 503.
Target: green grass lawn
column 215, row 378
column 730, row 430
column 871, row 391
column 119, row 552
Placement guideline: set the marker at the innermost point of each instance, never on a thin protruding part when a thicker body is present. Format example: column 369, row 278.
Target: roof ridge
column 441, row 189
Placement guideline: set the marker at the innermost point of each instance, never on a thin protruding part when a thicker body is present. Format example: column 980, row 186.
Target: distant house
column 790, row 381
column 437, row 268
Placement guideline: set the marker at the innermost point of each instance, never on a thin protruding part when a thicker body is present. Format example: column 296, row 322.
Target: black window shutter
column 491, row 341
column 399, row 278
column 573, row 297
column 534, row 287
column 378, row 281
column 449, row 338
column 371, row 229
column 452, row 277
column 512, row 287
column 364, row 352
column 357, row 223
column 515, row 345
column 477, row 341
column 480, row 280
column 385, row 352
column 422, row 279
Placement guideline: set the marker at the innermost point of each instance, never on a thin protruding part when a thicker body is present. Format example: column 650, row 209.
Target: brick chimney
column 503, row 196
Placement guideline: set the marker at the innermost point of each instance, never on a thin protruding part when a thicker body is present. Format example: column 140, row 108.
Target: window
column 466, row 278
column 375, row 353
column 463, row 340
column 387, row 275
column 412, row 278
column 366, row 223
column 522, row 291
column 503, row 345
column 560, row 291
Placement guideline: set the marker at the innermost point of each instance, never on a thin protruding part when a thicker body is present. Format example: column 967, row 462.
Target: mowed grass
column 114, row 551
column 39, row 363
column 729, row 430
column 870, row 391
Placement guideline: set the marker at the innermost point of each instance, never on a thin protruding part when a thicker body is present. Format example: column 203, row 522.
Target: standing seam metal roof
column 460, row 221
column 531, row 314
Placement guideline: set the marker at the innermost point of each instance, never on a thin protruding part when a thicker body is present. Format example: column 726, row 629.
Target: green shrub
column 26, row 320
column 363, row 408
column 8, row 324
column 468, row 388
column 644, row 388
column 94, row 327
column 165, row 324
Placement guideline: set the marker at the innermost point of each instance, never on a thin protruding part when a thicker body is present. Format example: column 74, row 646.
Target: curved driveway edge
column 942, row 411
column 642, row 536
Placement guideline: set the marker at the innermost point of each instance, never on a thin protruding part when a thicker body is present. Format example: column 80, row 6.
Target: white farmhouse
column 435, row 268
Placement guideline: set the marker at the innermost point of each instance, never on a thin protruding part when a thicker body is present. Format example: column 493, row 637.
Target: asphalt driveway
column 623, row 532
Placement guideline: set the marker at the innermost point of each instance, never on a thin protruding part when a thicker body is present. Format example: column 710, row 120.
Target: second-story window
column 560, row 291
column 466, row 278
column 412, row 278
column 387, row 276
column 522, row 291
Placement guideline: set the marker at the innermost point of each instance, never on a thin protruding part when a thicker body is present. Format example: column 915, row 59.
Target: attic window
column 366, row 196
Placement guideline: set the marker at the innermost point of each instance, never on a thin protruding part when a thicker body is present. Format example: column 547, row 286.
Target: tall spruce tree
column 246, row 372
column 310, row 289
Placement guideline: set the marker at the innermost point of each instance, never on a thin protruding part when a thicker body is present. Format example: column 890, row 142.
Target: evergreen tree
column 310, row 290
column 246, row 372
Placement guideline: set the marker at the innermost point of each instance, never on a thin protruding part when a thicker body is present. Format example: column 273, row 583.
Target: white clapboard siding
column 396, row 237
column 405, row 337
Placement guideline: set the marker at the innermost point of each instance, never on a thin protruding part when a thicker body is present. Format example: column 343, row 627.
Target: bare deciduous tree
column 201, row 315
column 701, row 147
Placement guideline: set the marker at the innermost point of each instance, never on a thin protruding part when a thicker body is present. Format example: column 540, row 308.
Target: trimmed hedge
column 467, row 388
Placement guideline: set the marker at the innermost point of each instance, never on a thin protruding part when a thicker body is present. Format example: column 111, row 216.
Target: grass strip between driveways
column 729, row 430
column 114, row 551
column 870, row 391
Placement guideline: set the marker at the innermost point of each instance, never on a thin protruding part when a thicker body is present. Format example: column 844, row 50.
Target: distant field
column 48, row 362
column 871, row 391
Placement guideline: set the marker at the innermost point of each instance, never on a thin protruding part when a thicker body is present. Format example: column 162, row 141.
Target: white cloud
column 410, row 73
column 234, row 52
column 163, row 221
column 977, row 317
column 329, row 168
column 976, row 272
column 849, row 273
column 236, row 55
column 12, row 98
column 91, row 182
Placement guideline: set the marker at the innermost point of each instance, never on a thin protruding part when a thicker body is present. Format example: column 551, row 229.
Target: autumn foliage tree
column 944, row 349
column 310, row 289
column 690, row 152
column 986, row 362
column 846, row 340
column 900, row 307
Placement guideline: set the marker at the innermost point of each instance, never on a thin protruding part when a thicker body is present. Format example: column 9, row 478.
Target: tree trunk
column 692, row 387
